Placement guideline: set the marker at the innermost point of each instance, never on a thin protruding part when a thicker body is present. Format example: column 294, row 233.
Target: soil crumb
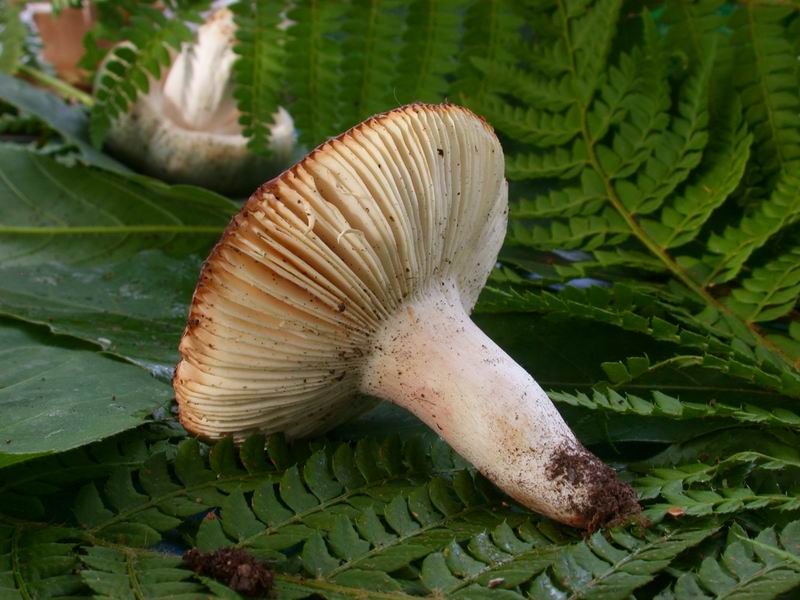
column 609, row 501
column 239, row 570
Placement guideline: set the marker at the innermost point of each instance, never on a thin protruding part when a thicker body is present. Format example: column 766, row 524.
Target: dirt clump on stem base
column 608, row 501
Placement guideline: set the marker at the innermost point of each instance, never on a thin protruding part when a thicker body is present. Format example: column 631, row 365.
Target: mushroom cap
column 186, row 128
column 289, row 300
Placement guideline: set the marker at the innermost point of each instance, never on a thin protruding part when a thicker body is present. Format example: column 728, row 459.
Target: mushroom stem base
column 433, row 360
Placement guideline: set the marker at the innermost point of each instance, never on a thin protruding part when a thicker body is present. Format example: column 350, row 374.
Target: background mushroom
column 355, row 271
column 186, row 127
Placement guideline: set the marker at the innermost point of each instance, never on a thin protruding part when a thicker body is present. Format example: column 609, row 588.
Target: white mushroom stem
column 430, row 358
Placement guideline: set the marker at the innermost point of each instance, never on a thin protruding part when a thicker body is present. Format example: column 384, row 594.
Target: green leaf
column 504, row 557
column 721, row 169
column 126, row 573
column 71, row 122
column 96, row 256
column 56, row 396
column 771, row 291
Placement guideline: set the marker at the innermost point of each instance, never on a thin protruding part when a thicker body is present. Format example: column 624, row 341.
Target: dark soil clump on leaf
column 239, row 570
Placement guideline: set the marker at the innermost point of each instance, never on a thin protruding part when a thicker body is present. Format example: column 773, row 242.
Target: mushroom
column 186, row 127
column 353, row 273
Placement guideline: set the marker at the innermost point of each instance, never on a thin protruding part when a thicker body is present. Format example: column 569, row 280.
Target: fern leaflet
column 488, row 25
column 430, row 43
column 372, row 46
column 613, row 568
column 312, row 74
column 12, row 38
column 771, row 291
column 258, row 71
column 766, row 74
column 764, row 566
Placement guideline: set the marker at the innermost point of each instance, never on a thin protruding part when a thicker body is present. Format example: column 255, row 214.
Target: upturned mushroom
column 186, row 127
column 353, row 273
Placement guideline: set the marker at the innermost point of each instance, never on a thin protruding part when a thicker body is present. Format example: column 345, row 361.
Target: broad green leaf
column 69, row 121
column 55, row 395
column 97, row 256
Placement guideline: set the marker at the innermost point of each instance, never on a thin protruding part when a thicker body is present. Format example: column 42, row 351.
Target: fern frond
column 638, row 136
column 587, row 30
column 584, row 200
column 772, row 291
column 314, row 61
column 430, row 44
column 371, row 49
column 722, row 473
column 120, row 572
column 563, row 163
column 137, row 515
column 615, row 564
column 704, row 502
column 625, row 145
column 664, row 405
column 766, row 73
column 532, row 125
column 622, row 373
column 764, row 566
column 355, row 513
column 715, row 339
column 136, row 505
column 507, row 276
column 622, row 306
column 618, row 257
column 12, row 38
column 38, row 562
column 34, row 490
column 491, row 27
column 690, row 26
column 723, row 165
column 352, row 522
column 530, row 89
column 678, row 149
column 129, row 68
column 790, row 341
column 577, row 232
column 734, row 246
column 501, row 559
column 614, row 101
column 259, row 68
